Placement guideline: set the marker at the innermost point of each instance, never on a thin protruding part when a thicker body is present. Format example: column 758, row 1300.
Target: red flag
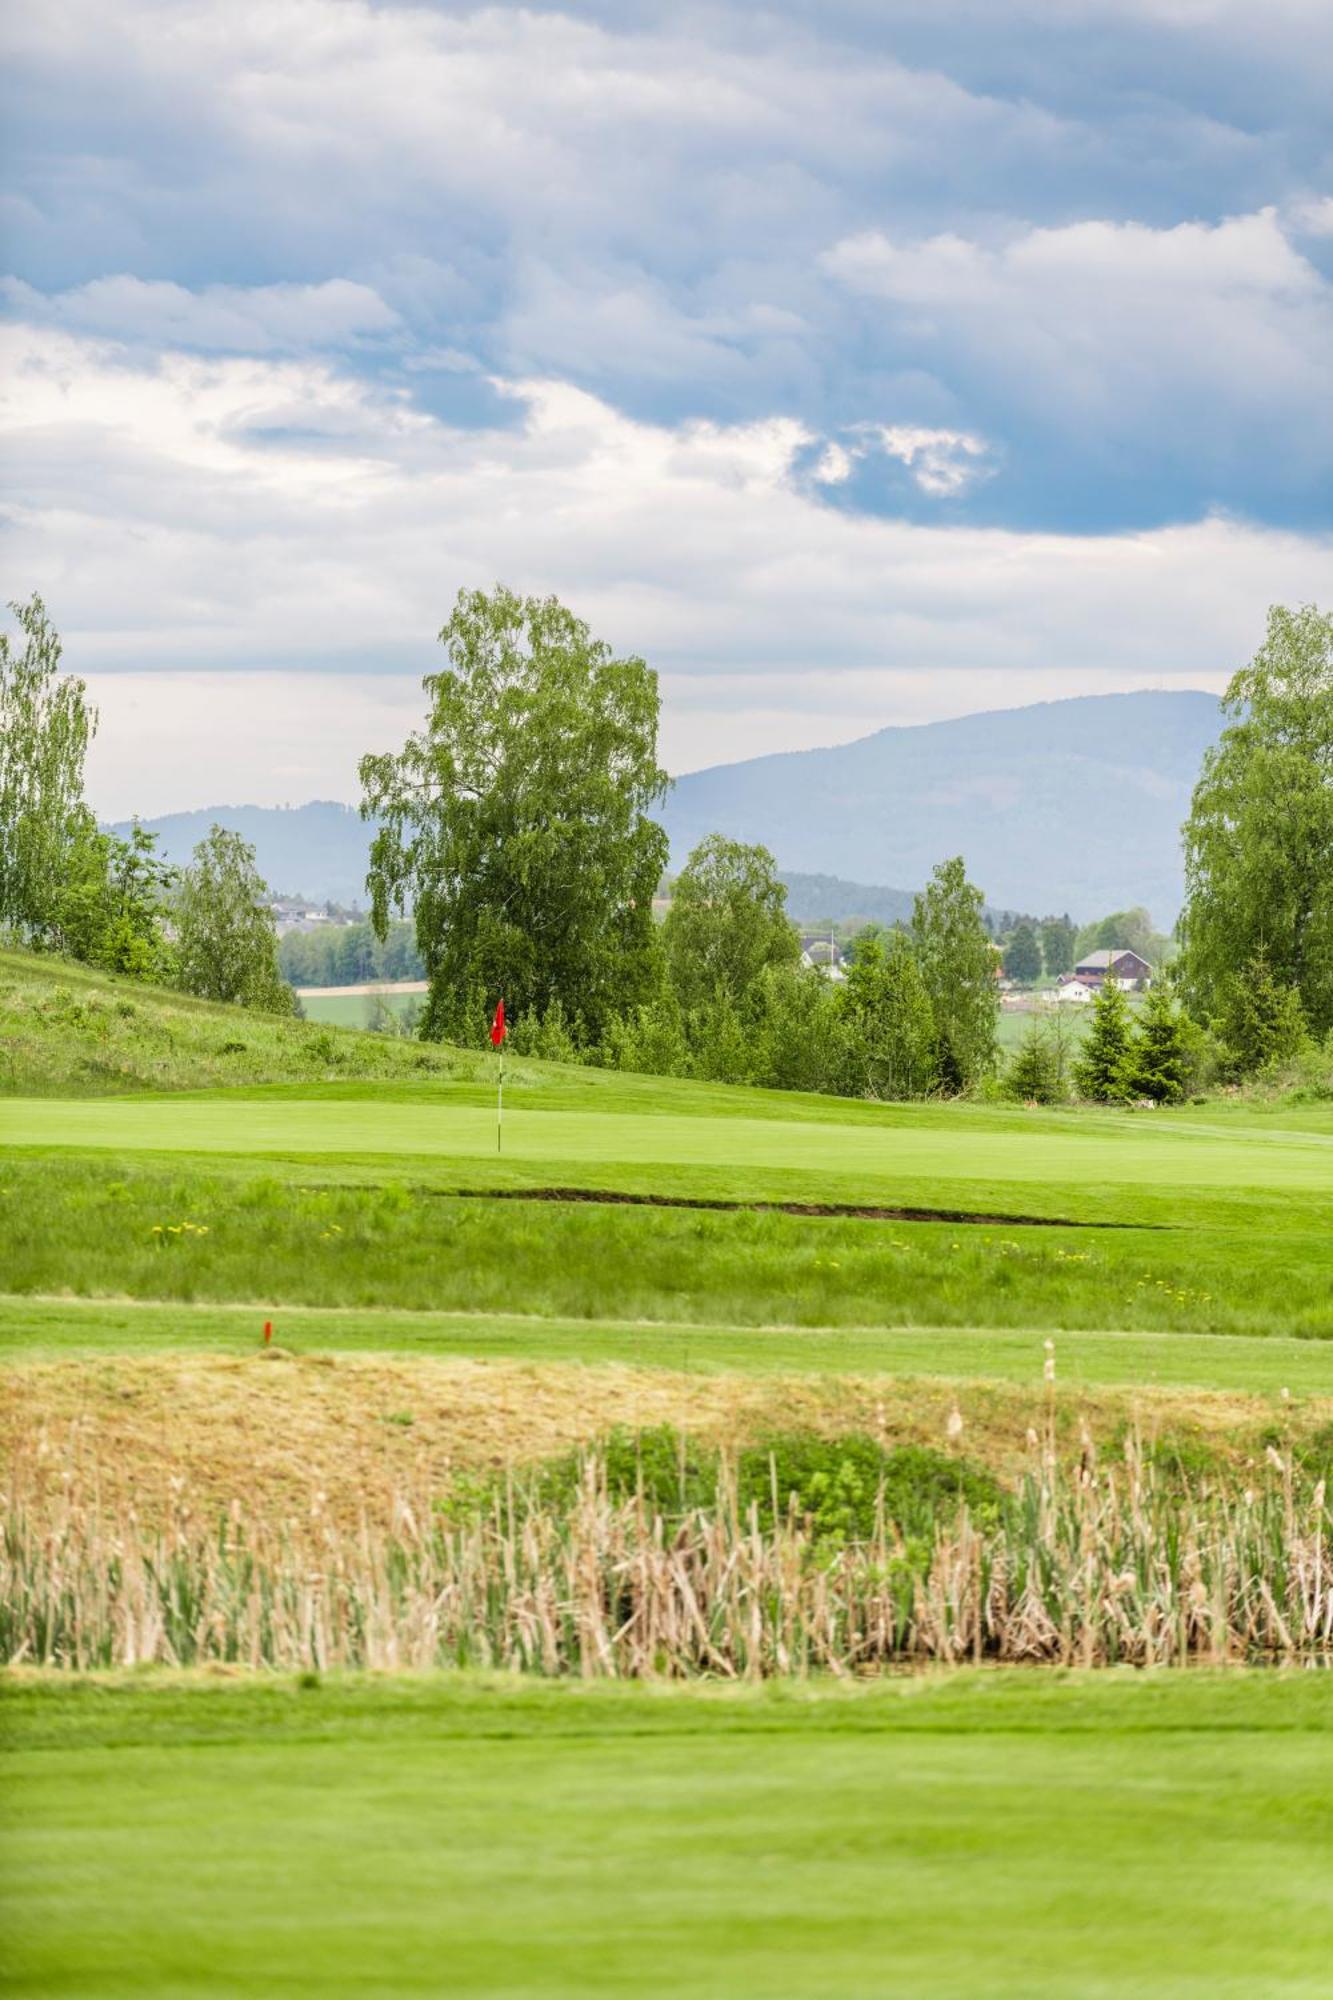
column 498, row 1030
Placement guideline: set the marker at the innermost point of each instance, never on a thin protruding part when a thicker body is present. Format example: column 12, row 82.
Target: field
column 352, row 1006
column 1125, row 1316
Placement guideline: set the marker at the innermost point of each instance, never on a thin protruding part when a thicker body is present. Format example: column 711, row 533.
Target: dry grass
column 275, row 1428
column 1085, row 1567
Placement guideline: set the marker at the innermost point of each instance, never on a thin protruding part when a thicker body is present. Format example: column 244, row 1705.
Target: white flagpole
column 500, row 1098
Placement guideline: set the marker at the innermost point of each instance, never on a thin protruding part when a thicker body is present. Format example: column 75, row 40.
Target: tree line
column 516, row 853
column 68, row 886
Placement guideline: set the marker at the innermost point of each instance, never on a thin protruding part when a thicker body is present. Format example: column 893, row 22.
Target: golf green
column 882, row 1156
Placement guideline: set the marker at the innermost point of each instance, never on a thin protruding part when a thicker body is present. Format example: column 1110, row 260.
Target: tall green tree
column 1261, row 1021
column 1259, row 838
column 46, row 725
column 1034, row 1073
column 226, row 945
column 1157, row 1062
column 1057, row 945
column 958, row 964
column 892, row 1048
column 1100, row 1069
column 1022, row 955
column 800, row 1031
column 113, row 903
column 516, row 824
column 727, row 923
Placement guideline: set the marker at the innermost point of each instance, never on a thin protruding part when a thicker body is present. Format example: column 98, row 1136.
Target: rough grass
column 95, row 1228
column 277, row 1428
column 66, row 1029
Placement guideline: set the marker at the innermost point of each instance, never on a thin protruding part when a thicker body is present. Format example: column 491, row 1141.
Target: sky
column 854, row 363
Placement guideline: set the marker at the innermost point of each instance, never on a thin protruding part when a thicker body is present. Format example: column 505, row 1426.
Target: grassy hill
column 67, row 1029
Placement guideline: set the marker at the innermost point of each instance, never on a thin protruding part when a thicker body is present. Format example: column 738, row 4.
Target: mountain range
column 1064, row 805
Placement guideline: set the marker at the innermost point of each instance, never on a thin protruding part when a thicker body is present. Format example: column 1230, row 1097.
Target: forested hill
column 1069, row 805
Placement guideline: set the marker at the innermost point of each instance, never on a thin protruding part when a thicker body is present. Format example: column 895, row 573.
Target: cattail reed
column 1081, row 1566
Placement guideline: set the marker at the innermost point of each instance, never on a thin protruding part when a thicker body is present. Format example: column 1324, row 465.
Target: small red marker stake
column 268, row 1331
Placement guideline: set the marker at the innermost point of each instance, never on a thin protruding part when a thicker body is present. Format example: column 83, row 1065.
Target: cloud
column 1195, row 347
column 241, row 319
column 637, row 200
column 245, row 514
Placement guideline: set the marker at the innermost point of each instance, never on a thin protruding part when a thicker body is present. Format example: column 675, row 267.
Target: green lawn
column 982, row 1835
column 46, row 1329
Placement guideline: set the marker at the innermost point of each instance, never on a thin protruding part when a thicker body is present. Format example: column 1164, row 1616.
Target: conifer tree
column 1099, row 1072
column 1033, row 1075
column 1157, row 1065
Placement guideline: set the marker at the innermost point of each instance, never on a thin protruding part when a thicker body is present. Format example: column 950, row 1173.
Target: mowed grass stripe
column 1138, row 1153
column 998, row 1835
column 46, row 1329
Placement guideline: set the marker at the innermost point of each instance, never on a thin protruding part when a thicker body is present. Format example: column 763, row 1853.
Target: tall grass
column 1094, row 1566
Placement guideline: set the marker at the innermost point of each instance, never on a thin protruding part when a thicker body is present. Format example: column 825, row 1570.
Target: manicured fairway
column 42, row 1329
column 1110, row 1150
column 1002, row 1837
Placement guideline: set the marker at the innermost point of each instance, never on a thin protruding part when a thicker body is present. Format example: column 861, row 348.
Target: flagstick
column 500, row 1099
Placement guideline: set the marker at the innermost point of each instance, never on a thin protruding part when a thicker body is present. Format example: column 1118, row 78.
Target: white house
column 1074, row 991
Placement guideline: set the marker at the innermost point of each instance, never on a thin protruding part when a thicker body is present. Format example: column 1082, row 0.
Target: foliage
column 1100, row 1069
column 349, row 955
column 727, row 923
column 958, row 964
column 226, row 946
column 1157, row 1064
column 1057, row 946
column 1022, row 956
column 1259, row 838
column 649, row 1038
column 46, row 724
column 841, row 1488
column 1261, row 1022
column 1034, row 1074
column 548, row 1037
column 801, row 1033
column 113, row 902
column 516, row 823
column 892, row 1046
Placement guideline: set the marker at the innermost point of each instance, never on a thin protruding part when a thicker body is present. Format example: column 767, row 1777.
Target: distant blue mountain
column 318, row 850
column 1068, row 805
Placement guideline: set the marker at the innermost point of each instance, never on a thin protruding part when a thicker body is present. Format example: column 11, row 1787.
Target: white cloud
column 943, row 463
column 1099, row 327
column 192, row 516
column 242, row 319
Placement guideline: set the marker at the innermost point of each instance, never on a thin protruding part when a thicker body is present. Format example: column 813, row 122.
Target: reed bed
column 1081, row 1566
